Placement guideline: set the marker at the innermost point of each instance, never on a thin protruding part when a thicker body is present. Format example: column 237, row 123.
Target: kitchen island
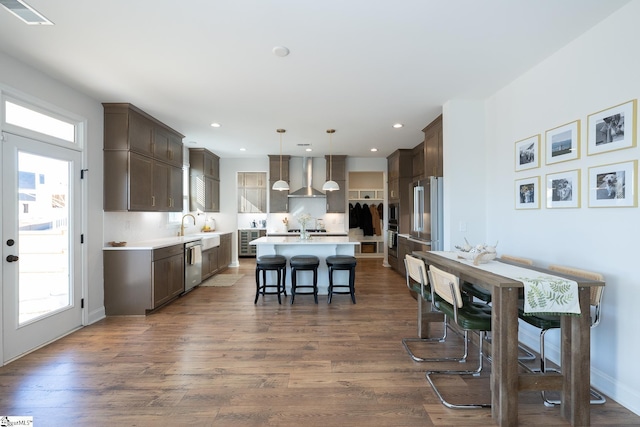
column 320, row 246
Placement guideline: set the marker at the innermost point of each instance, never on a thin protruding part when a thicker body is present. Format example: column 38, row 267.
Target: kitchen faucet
column 182, row 222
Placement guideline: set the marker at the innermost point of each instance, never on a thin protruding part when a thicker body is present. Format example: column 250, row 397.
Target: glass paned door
column 41, row 231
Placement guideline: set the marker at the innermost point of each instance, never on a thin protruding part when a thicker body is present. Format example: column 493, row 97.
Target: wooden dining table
column 507, row 380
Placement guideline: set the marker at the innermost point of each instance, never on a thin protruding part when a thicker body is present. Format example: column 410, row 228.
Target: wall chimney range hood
column 307, row 189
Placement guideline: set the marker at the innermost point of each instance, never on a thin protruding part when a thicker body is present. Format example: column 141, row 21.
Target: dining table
column 507, row 378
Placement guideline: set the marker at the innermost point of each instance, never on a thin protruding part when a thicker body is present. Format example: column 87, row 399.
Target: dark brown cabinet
column 216, row 260
column 278, row 200
column 204, row 180
column 224, row 257
column 336, row 170
column 168, row 277
column 210, row 262
column 142, row 162
column 138, row 281
column 418, row 162
column 433, row 148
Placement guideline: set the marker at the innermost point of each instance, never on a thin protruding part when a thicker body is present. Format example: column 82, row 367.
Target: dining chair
column 482, row 294
column 417, row 281
column 468, row 315
column 548, row 322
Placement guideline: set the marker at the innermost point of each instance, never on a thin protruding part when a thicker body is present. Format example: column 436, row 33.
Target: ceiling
column 358, row 66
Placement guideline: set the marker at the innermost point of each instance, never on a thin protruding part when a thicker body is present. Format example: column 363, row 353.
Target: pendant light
column 330, row 185
column 280, row 185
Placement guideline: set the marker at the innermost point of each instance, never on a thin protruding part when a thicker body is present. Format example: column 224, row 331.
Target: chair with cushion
column 416, row 278
column 342, row 262
column 277, row 263
column 468, row 315
column 485, row 295
column 548, row 322
column 304, row 263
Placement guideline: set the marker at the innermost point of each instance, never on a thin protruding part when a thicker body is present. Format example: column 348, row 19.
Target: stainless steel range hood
column 307, row 189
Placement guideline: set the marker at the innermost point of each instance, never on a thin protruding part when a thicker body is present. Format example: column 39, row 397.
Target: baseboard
column 96, row 315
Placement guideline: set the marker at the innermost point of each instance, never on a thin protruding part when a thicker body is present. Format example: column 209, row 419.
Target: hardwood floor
column 213, row 358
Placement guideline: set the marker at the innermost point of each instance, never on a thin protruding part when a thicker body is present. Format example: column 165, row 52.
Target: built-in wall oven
column 192, row 264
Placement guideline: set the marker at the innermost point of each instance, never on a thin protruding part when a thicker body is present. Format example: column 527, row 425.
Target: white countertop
column 312, row 233
column 314, row 240
column 162, row 242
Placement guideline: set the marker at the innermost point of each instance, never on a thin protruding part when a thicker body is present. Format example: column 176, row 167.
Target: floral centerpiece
column 303, row 220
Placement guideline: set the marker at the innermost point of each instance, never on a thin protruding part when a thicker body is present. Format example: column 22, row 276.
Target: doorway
column 41, row 253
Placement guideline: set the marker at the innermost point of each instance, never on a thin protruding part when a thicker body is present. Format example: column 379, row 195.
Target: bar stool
column 304, row 263
column 266, row 263
column 342, row 262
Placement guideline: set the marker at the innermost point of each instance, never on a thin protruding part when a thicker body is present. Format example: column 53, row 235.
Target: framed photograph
column 612, row 129
column 563, row 143
column 527, row 193
column 563, row 189
column 528, row 153
column 613, row 185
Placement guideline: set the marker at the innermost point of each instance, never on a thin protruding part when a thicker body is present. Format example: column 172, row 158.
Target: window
column 27, row 118
column 252, row 192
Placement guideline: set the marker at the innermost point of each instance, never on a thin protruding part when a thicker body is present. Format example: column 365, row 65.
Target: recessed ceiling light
column 215, row 125
column 308, row 149
column 374, row 149
column 25, row 12
column 243, row 149
column 280, row 51
column 397, row 125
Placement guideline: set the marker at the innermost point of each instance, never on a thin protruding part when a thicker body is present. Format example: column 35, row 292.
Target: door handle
column 12, row 258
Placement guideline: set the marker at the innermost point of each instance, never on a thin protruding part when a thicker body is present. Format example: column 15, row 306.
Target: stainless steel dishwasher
column 192, row 264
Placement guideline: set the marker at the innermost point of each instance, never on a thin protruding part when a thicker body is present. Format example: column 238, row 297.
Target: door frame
column 80, row 144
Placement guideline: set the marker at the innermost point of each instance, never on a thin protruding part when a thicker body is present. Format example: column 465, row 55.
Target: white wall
column 598, row 70
column 16, row 76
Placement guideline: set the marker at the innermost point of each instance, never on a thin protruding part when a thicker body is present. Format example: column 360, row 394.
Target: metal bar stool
column 342, row 262
column 304, row 263
column 266, row 263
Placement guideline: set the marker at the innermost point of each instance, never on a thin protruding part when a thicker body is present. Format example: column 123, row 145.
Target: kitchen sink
column 209, row 240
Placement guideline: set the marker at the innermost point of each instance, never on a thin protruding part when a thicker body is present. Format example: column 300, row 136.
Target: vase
column 304, row 234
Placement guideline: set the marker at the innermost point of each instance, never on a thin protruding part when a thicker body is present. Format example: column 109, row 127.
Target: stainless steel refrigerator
column 426, row 212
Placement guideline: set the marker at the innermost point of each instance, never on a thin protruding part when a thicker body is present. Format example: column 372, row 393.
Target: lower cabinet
column 216, row 260
column 168, row 277
column 406, row 246
column 210, row 262
column 138, row 281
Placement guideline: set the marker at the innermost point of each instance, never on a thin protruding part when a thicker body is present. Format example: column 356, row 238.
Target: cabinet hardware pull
column 153, row 200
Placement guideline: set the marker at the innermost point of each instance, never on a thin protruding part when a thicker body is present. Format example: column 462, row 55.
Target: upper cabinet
column 336, row 170
column 433, row 148
column 399, row 166
column 204, row 180
column 142, row 162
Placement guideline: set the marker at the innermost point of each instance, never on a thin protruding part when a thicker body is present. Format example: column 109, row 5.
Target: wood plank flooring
column 213, row 358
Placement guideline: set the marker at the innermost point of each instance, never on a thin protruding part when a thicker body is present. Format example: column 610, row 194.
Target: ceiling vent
column 25, row 12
